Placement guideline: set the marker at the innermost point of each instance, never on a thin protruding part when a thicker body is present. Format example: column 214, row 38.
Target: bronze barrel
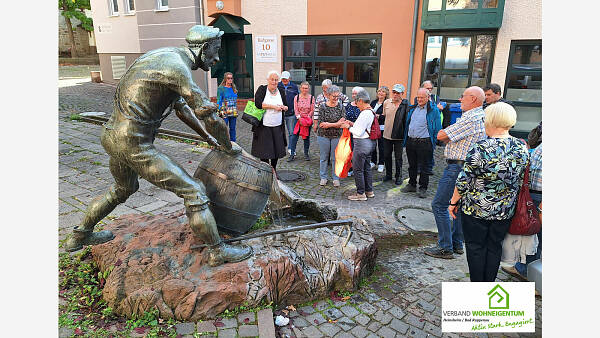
column 238, row 187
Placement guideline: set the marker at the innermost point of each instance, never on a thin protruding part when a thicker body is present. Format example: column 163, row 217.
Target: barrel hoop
column 237, row 182
column 251, row 162
column 233, row 210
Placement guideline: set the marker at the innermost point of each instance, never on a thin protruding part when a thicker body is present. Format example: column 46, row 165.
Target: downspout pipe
column 201, row 3
column 412, row 50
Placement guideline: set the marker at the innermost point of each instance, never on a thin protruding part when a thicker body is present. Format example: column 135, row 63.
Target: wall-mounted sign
column 266, row 48
column 104, row 28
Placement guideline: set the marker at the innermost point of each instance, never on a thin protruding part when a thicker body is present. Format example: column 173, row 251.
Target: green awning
column 230, row 24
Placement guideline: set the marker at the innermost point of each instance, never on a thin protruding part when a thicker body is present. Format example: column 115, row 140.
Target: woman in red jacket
column 304, row 107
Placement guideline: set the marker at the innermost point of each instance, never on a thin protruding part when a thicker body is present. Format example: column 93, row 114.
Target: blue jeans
column 230, row 121
column 361, row 158
column 290, row 123
column 450, row 233
column 294, row 142
column 327, row 152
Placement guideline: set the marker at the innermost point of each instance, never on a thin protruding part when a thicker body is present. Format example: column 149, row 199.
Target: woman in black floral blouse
column 487, row 189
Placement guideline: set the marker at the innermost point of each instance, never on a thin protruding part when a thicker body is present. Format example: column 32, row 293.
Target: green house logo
column 498, row 298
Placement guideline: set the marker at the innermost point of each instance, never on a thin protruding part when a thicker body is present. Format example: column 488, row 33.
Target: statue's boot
column 204, row 226
column 99, row 208
column 79, row 238
column 224, row 253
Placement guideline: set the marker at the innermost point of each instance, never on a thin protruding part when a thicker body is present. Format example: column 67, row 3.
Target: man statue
column 155, row 84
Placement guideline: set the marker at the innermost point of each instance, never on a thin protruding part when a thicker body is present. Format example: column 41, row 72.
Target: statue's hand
column 235, row 149
column 212, row 141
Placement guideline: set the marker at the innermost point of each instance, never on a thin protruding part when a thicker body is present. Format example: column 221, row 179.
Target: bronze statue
column 155, row 84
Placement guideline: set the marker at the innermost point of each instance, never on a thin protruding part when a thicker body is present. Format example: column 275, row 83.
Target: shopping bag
column 252, row 114
column 526, row 220
column 343, row 155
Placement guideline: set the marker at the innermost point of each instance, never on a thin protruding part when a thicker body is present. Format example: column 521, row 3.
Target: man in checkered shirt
column 459, row 137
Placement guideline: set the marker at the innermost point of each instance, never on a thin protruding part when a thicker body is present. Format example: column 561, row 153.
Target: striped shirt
column 535, row 169
column 462, row 134
column 321, row 99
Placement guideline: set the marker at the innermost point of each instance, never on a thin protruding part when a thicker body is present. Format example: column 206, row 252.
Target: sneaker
column 306, row 157
column 439, row 253
column 372, row 165
column 422, row 193
column 336, row 183
column 380, row 168
column 370, row 194
column 289, row 151
column 323, row 181
column 513, row 272
column 358, row 197
column 458, row 250
column 290, row 158
column 350, row 174
column 398, row 180
column 409, row 188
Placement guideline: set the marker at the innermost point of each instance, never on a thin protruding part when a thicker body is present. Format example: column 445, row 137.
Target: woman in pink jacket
column 304, row 107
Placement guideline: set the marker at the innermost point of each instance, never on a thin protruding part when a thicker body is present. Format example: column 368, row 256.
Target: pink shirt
column 304, row 106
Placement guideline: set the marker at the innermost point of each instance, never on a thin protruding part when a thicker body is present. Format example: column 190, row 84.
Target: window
column 523, row 85
column 455, row 61
column 461, row 4
column 113, row 7
column 129, row 6
column 162, row 5
column 347, row 60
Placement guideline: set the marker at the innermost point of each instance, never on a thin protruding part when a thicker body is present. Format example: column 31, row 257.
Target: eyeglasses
column 335, row 97
column 429, row 88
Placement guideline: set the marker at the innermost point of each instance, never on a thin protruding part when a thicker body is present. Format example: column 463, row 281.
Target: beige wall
column 147, row 29
column 283, row 17
column 522, row 20
column 123, row 34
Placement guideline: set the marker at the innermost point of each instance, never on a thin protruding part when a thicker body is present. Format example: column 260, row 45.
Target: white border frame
column 160, row 7
column 111, row 8
column 126, row 9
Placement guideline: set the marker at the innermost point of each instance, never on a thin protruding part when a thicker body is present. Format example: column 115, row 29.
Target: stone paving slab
column 403, row 297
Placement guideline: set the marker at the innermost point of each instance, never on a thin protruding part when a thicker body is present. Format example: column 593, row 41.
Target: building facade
column 454, row 43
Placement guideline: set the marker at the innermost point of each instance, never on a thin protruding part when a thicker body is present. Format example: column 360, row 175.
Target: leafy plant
column 263, row 221
column 75, row 9
column 74, row 117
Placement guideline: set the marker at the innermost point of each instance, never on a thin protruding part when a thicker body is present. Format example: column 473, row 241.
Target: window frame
column 160, row 7
column 111, row 8
column 345, row 58
column 445, row 34
column 510, row 71
column 127, row 9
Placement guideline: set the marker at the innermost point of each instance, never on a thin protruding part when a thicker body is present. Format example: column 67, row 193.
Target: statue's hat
column 199, row 34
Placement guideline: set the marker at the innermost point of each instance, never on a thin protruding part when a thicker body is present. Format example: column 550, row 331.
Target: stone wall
column 82, row 40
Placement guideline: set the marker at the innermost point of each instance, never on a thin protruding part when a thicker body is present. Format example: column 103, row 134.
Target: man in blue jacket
column 291, row 90
column 420, row 133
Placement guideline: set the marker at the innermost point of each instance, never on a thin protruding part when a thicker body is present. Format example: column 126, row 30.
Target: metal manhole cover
column 290, row 176
column 417, row 219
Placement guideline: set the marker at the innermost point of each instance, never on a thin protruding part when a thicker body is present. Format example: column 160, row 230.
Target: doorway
column 235, row 56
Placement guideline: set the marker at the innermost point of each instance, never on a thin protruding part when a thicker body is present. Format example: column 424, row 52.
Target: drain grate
column 290, row 176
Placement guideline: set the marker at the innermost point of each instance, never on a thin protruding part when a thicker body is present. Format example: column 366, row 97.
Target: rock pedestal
column 153, row 266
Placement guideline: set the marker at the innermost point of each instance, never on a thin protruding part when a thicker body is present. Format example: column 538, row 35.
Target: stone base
column 154, row 267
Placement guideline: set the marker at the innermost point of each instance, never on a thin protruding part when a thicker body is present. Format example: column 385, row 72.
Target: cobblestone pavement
column 402, row 298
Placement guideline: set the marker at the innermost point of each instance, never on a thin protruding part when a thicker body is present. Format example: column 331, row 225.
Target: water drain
column 290, row 176
column 418, row 219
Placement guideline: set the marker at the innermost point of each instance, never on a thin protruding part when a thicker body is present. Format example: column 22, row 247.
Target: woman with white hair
column 363, row 145
column 487, row 190
column 269, row 141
